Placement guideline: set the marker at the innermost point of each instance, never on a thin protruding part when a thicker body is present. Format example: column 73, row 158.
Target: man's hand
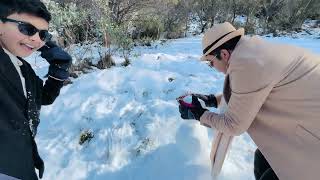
column 59, row 60
column 191, row 112
column 209, row 100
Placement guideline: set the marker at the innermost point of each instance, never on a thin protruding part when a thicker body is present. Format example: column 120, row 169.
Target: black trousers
column 262, row 169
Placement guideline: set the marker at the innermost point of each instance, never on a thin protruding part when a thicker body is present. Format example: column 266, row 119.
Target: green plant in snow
column 85, row 136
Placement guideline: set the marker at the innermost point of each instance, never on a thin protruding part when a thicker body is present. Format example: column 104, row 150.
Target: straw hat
column 218, row 35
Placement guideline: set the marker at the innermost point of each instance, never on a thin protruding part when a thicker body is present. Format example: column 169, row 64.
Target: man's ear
column 225, row 55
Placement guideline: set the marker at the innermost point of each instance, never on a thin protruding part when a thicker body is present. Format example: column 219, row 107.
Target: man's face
column 219, row 65
column 17, row 43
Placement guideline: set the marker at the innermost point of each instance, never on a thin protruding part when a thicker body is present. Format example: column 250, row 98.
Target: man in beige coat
column 273, row 93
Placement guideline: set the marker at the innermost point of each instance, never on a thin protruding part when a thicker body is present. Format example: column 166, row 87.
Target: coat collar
column 235, row 53
column 9, row 72
column 227, row 89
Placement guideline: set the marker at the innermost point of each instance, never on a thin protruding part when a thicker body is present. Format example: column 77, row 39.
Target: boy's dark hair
column 32, row 7
column 229, row 46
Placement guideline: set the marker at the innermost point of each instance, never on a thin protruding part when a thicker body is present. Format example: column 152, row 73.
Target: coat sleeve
column 50, row 90
column 251, row 84
column 242, row 110
column 45, row 93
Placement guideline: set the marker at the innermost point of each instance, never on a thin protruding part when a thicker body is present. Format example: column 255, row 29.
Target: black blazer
column 18, row 151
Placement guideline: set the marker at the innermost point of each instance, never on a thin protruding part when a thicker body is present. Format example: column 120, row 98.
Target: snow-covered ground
column 133, row 115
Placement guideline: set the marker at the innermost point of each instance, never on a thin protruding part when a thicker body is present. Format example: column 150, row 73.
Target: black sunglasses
column 29, row 29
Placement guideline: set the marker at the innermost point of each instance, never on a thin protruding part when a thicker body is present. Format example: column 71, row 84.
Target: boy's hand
column 38, row 162
column 59, row 60
column 53, row 53
column 40, row 168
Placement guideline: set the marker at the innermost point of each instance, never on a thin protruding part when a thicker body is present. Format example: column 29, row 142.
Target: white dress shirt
column 17, row 63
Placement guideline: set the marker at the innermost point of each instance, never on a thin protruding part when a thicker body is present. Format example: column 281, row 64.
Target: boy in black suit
column 24, row 30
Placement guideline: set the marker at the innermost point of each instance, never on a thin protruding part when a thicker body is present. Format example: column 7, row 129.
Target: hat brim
column 238, row 32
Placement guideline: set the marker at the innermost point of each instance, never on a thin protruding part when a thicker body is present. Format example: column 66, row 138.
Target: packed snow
column 132, row 115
